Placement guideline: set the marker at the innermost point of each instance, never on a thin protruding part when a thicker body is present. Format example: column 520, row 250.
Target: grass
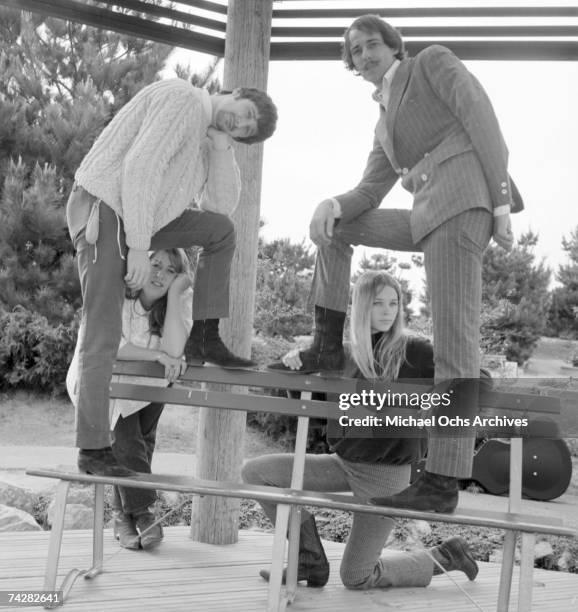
column 28, row 419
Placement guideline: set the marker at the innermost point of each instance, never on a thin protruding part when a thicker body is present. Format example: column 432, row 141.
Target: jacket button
column 424, row 177
column 404, row 170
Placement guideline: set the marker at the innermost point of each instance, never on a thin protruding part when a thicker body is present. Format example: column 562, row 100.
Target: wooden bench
column 290, row 500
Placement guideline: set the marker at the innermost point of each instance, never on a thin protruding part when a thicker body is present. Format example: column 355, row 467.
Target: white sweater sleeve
column 171, row 116
column 223, row 185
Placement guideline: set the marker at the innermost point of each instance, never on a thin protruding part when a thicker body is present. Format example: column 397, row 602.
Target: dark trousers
column 133, row 444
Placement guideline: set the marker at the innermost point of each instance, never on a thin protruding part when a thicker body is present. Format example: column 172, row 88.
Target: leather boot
column 454, row 554
column 312, row 565
column 429, row 493
column 101, row 462
column 205, row 344
column 150, row 534
column 326, row 353
column 125, row 531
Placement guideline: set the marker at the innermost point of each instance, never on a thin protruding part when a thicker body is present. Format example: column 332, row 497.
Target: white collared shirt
column 382, row 94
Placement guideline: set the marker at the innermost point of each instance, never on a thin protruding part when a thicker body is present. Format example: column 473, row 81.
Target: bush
column 33, row 353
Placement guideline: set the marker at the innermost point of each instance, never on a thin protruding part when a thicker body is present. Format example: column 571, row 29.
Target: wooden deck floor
column 185, row 575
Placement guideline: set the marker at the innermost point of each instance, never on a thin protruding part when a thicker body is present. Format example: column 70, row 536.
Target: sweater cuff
column 139, row 242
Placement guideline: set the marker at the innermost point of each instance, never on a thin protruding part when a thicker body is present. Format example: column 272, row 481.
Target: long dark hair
column 158, row 311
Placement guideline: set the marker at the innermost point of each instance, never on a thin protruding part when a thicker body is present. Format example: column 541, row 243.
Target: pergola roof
column 305, row 33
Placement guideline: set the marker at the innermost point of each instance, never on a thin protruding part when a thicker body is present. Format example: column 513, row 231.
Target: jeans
column 133, row 445
column 363, row 565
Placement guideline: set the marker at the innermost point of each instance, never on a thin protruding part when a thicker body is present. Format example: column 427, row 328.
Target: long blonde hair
column 385, row 359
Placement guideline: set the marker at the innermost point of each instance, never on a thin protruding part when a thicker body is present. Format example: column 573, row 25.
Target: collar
column 386, row 81
column 207, row 106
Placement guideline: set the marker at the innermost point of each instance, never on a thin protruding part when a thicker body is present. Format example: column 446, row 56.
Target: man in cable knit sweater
column 168, row 147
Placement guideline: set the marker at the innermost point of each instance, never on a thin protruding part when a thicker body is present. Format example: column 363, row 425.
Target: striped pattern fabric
column 453, row 265
column 440, row 136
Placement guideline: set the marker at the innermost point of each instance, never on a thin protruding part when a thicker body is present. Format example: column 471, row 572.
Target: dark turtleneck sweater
column 382, row 445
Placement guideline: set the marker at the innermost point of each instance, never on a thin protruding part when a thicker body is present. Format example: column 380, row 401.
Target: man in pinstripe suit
column 438, row 133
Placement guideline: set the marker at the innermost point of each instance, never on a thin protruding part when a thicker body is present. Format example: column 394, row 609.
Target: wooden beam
column 507, row 50
column 435, row 31
column 465, row 49
column 155, row 10
column 124, row 24
column 221, row 433
column 465, row 12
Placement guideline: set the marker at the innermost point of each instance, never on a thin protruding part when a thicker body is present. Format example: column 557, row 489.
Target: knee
column 225, row 232
column 251, row 472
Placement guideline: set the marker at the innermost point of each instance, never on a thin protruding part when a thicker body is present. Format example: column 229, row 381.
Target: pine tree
column 60, row 84
column 564, row 309
column 515, row 299
column 284, row 274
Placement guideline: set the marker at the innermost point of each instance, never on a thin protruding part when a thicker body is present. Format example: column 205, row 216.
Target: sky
column 325, row 132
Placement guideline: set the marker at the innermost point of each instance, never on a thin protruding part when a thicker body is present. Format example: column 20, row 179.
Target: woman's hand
column 292, row 359
column 180, row 283
column 174, row 366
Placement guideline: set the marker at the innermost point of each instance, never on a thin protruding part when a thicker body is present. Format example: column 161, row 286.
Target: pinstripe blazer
column 441, row 137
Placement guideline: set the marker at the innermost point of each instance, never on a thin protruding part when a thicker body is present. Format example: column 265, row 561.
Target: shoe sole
column 150, row 543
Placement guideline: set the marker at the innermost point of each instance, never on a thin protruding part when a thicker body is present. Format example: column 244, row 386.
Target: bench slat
column 493, row 400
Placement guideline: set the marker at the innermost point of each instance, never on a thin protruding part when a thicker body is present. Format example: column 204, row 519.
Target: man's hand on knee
column 138, row 269
column 322, row 223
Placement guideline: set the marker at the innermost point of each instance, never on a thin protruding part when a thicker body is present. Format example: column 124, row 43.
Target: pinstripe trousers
column 363, row 565
column 453, row 264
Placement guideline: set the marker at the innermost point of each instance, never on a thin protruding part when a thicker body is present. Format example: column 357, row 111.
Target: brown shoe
column 151, row 534
column 454, row 554
column 102, row 462
column 429, row 493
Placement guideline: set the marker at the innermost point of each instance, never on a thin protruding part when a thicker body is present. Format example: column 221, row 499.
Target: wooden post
column 221, row 432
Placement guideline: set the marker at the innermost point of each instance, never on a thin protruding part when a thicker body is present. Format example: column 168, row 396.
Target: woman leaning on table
column 381, row 349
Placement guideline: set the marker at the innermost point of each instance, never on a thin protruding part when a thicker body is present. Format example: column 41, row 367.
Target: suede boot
column 454, row 554
column 101, row 462
column 150, row 534
column 205, row 344
column 313, row 565
column 429, row 493
column 125, row 531
column 326, row 353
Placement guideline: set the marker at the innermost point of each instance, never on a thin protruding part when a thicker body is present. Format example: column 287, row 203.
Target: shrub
column 33, row 353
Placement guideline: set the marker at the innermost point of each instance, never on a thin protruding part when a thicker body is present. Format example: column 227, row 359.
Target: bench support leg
column 526, row 572
column 293, row 553
column 507, row 570
column 276, row 601
column 97, row 532
column 55, row 542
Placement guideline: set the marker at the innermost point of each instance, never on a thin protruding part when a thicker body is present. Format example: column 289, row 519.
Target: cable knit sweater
column 154, row 158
